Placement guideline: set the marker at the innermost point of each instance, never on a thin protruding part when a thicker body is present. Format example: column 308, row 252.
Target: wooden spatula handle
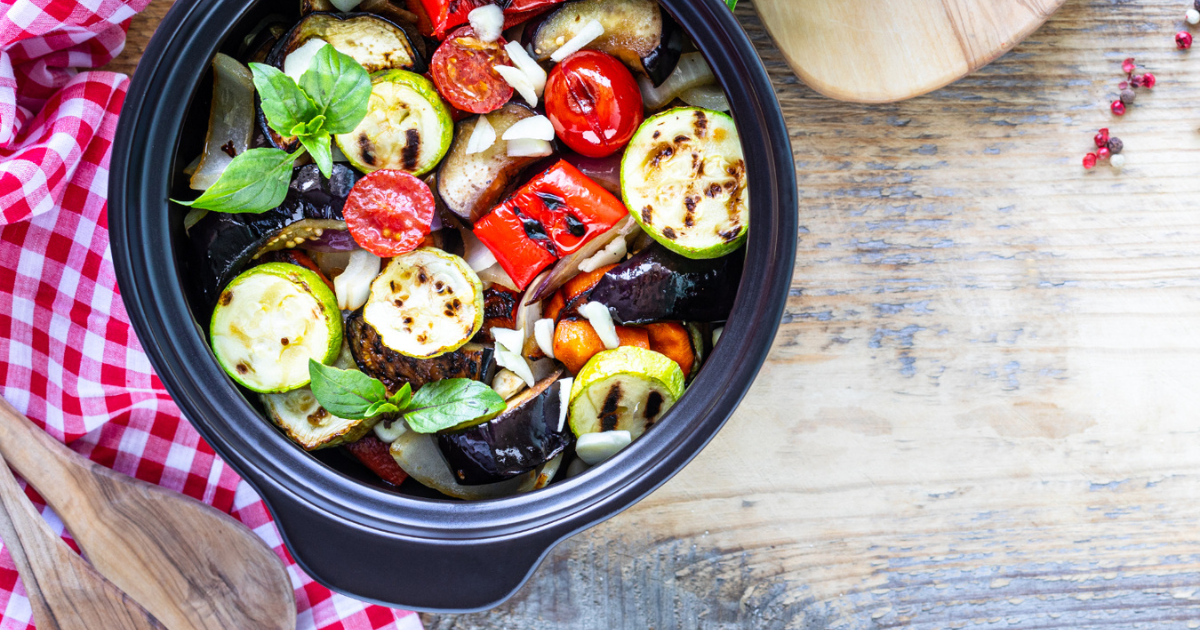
column 39, row 458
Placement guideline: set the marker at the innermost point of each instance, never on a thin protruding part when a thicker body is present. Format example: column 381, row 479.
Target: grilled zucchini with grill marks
column 683, row 179
column 307, row 423
column 407, row 126
column 474, row 361
column 425, row 303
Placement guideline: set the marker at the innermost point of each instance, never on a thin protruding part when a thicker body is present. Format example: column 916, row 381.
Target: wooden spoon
column 64, row 591
column 191, row 566
column 873, row 52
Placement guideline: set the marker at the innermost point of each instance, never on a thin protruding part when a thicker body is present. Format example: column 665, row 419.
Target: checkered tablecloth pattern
column 68, row 356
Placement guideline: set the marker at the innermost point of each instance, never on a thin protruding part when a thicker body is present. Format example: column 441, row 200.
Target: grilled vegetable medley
column 474, row 246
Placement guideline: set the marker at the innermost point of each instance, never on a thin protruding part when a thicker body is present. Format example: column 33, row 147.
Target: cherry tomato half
column 463, row 69
column 389, row 212
column 593, row 102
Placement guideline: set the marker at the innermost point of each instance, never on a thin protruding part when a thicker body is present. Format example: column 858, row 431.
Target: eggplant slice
column 657, row 284
column 224, row 244
column 473, row 361
column 638, row 32
column 471, row 185
column 372, row 40
column 525, row 435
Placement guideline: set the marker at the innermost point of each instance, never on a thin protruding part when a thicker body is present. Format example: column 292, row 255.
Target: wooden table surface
column 982, row 408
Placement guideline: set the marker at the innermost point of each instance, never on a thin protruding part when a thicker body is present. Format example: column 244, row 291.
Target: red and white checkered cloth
column 68, row 356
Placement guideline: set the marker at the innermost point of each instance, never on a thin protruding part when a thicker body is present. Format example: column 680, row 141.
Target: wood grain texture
column 980, row 411
column 64, row 591
column 874, row 52
column 192, row 566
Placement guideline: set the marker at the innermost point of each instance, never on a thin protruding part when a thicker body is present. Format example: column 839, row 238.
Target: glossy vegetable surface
column 473, row 361
column 638, row 32
column 594, row 103
column 527, row 434
column 658, row 284
column 472, row 184
column 389, row 212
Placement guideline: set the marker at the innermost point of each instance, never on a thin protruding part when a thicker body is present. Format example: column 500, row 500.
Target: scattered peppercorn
column 1128, row 66
column 1101, row 138
column 1183, row 40
column 1128, row 96
column 1103, row 153
column 1089, row 161
column 1118, row 108
column 1115, row 145
column 1117, row 162
column 1192, row 16
column 1148, row 80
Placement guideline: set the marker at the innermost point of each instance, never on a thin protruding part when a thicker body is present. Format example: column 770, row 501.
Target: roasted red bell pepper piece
column 504, row 233
column 443, row 15
column 553, row 215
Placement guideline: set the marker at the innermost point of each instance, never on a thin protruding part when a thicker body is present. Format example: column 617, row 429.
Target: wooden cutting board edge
column 850, row 94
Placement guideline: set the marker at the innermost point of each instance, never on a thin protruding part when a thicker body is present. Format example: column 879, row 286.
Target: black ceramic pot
column 348, row 531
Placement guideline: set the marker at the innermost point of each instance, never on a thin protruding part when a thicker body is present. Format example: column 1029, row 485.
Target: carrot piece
column 576, row 341
column 553, row 306
column 675, row 342
column 583, row 283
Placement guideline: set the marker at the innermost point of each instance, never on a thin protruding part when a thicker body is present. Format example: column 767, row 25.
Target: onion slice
column 706, row 96
column 230, row 122
column 692, row 71
column 543, row 333
column 477, row 255
column 419, row 456
column 589, row 32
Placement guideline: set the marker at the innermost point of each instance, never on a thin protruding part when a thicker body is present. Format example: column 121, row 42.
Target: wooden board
column 869, row 51
column 980, row 410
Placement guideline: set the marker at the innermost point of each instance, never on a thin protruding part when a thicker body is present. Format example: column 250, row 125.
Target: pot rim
column 146, row 265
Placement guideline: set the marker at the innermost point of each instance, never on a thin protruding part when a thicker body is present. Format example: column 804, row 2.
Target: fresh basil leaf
column 732, row 4
column 347, row 393
column 451, row 402
column 283, row 102
column 339, row 88
column 403, row 397
column 380, row 407
column 318, row 148
column 255, row 181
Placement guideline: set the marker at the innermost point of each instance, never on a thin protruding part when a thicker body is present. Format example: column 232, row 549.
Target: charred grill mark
column 713, row 191
column 664, row 152
column 697, row 165
column 656, row 134
column 689, row 218
column 553, row 202
column 608, row 411
column 421, row 277
column 648, row 215
column 669, row 232
column 315, row 418
column 422, row 338
column 398, row 302
column 654, row 405
column 367, row 149
column 536, row 231
column 242, row 368
column 226, row 298
column 407, row 321
column 284, row 341
column 730, row 235
column 412, row 147
column 680, row 139
column 700, row 124
column 574, row 225
column 453, row 307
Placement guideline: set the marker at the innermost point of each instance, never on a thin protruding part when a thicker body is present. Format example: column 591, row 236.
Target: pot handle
column 423, row 574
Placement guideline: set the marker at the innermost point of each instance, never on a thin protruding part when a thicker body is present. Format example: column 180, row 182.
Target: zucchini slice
column 407, row 126
column 307, row 423
column 683, row 179
column 270, row 321
column 474, row 361
column 425, row 303
column 626, row 389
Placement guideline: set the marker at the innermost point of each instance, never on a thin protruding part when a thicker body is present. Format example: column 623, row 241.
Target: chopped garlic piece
column 519, row 82
column 487, row 21
column 482, row 137
column 589, row 32
column 598, row 316
column 532, row 128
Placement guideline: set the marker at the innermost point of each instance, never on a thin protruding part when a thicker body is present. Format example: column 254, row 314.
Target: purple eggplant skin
column 658, row 284
column 524, row 436
column 224, row 244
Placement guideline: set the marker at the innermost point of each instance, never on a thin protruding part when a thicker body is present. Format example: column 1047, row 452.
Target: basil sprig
column 331, row 98
column 436, row 406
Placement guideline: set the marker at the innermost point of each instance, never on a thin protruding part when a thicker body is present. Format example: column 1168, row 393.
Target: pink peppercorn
column 1118, row 108
column 1089, row 161
column 1101, row 138
column 1183, row 40
column 1148, row 80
